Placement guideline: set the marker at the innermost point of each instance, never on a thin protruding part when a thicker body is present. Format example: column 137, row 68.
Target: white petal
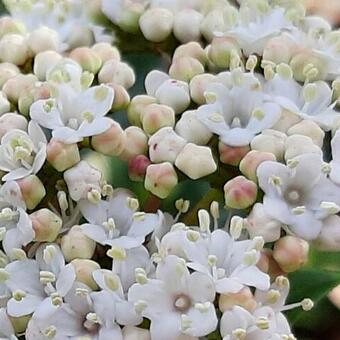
column 201, row 287
column 24, row 307
column 252, row 276
column 65, row 280
column 17, row 174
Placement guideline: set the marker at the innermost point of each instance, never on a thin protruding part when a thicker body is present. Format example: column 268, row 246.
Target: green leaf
column 324, row 260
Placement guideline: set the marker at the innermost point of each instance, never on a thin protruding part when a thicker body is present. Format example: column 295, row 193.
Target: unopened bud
column 121, row 98
column 185, row 68
column 43, row 39
column 87, row 58
column 198, row 87
column 187, row 25
column 191, row 49
column 244, row 298
column 310, row 129
column 270, row 141
column 14, row 49
column 232, row 155
column 106, row 51
column 136, row 106
column 136, row 143
column 137, row 166
column 155, row 116
column 7, row 71
column 221, row 51
column 83, row 269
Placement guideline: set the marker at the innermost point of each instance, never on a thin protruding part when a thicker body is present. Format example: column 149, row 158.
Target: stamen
column 262, row 323
column 204, row 220
column 117, row 253
column 47, row 277
column 4, row 275
column 299, row 210
column 330, row 208
column 251, row 63
column 284, row 71
column 94, row 196
column 236, row 227
column 141, row 276
column 185, row 323
column 57, row 300
column 239, row 333
column 192, row 235
column 139, row 306
column 111, row 280
column 203, row 307
column 133, row 203
column 309, row 92
column 50, row 332
column 273, row 296
column 18, row 295
column 212, row 260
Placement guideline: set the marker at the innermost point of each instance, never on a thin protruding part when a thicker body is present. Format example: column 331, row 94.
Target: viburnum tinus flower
column 76, row 111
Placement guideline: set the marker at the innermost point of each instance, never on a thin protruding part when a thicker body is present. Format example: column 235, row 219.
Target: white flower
column 299, row 194
column 76, row 111
column 176, row 302
column 22, row 153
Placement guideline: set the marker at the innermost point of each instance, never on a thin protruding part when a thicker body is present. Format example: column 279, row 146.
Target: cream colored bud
column 136, row 143
column 222, row 50
column 14, row 49
column 196, row 161
column 62, row 156
column 114, row 71
column 310, row 129
column 185, row 68
column 298, row 144
column 135, row 333
column 106, row 51
column 46, row 225
column 160, row 179
column 88, row 59
column 165, row 145
column 136, row 106
column 111, row 142
column 32, row 190
column 4, row 104
column 279, row 49
column 156, row 24
column 43, row 39
column 154, row 80
column 232, row 155
column 7, row 71
column 192, row 130
column 213, row 22
column 198, row 86
column 44, row 61
column 187, row 25
column 121, row 98
column 9, row 25
column 80, row 35
column 244, row 298
column 76, row 245
column 83, row 269
column 156, row 116
column 191, row 49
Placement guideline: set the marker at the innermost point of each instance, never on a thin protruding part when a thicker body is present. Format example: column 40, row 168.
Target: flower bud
column 240, row 193
column 156, row 24
column 268, row 265
column 185, row 68
column 232, row 155
column 7, row 71
column 4, row 104
column 106, row 51
column 9, row 25
column 191, row 49
column 14, row 49
column 252, row 160
column 156, row 116
column 83, row 269
column 279, row 50
column 44, row 61
column 136, row 143
column 135, row 333
column 310, row 129
column 174, row 94
column 121, row 98
column 80, row 36
column 160, row 179
column 196, row 161
column 329, row 237
column 244, row 298
column 259, row 223
column 76, row 245
column 297, row 145
column 32, row 190
column 114, row 71
column 291, row 253
column 62, row 156
column 187, row 25
column 198, row 86
column 43, row 39
column 286, row 121
column 192, row 130
column 154, row 80
column 165, row 145
column 10, row 121
column 111, row 142
column 211, row 23
column 137, row 105
column 221, row 51
column 270, row 141
column 88, row 59
column 46, row 225
column 137, row 167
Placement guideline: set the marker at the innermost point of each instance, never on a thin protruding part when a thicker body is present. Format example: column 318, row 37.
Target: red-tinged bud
column 137, row 167
column 32, row 190
column 232, row 155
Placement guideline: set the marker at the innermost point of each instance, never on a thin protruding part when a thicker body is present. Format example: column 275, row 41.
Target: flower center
column 182, row 303
column 293, row 197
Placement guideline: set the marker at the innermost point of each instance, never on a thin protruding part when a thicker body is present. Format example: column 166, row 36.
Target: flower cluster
column 174, row 214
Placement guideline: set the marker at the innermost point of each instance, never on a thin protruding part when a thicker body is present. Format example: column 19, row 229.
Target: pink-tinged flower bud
column 187, row 25
column 286, row 121
column 43, row 39
column 297, row 145
column 76, row 245
column 32, row 191
column 232, row 155
column 196, row 161
column 4, row 104
column 121, row 98
column 156, row 24
column 160, row 179
column 106, row 51
column 165, row 145
column 44, row 61
column 185, row 68
column 14, row 49
column 88, row 59
column 135, row 333
column 46, row 225
column 252, row 160
column 310, row 129
column 111, row 142
column 136, row 106
column 17, row 85
column 270, row 141
column 114, row 71
column 84, row 269
column 291, row 253
column 268, row 265
column 334, row 296
column 174, row 93
column 10, row 26
column 240, row 193
column 7, row 71
column 244, row 298
column 192, row 130
column 198, row 86
column 156, row 116
column 329, row 237
column 136, row 143
column 259, row 223
column 191, row 49
column 137, row 167
column 62, row 156
column 222, row 51
column 279, row 50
